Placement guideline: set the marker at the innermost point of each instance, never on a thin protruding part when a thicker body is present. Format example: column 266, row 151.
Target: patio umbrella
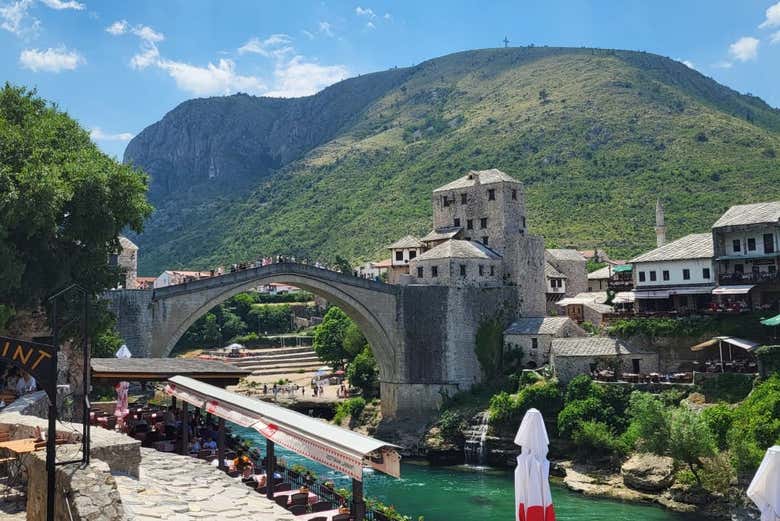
column 122, row 408
column 533, row 500
column 764, row 490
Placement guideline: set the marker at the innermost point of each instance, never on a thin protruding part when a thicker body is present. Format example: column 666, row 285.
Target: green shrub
column 727, row 387
column 717, row 473
column 451, row 423
column 650, row 418
column 756, row 425
column 507, row 410
column 719, row 419
column 769, row 356
column 669, row 327
column 690, row 440
column 579, row 411
column 352, row 407
column 595, row 440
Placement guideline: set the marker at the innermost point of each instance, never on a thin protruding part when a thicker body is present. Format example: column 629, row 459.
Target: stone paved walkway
column 181, row 488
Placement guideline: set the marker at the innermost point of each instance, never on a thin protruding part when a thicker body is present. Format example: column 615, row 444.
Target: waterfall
column 475, row 450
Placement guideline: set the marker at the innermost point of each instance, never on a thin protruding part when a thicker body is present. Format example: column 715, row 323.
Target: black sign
column 40, row 360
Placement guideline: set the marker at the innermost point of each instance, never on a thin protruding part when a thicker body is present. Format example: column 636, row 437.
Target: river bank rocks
column 648, row 472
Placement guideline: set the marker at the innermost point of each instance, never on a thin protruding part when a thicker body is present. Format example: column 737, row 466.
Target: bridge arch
column 371, row 305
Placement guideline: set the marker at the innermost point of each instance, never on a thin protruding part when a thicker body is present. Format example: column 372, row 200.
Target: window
column 635, row 365
column 523, row 218
column 735, row 245
column 483, row 223
column 769, row 243
column 739, row 268
column 463, row 198
column 514, row 195
column 469, row 224
column 113, row 259
column 420, row 272
column 457, row 221
column 445, row 201
column 485, row 240
column 399, row 255
column 534, row 343
column 652, row 276
column 462, row 270
column 752, row 244
column 641, row 276
column 481, row 270
column 665, row 274
column 491, row 195
column 705, row 273
column 434, row 271
column 686, row 274
column 412, row 254
column 493, row 270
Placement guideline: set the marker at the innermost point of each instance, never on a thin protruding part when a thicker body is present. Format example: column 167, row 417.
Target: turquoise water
column 463, row 493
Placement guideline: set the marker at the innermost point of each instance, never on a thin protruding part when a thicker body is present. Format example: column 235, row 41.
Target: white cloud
column 744, row 49
column 367, row 11
column 149, row 55
column 370, row 25
column 307, row 34
column 211, row 79
column 66, row 4
column 775, row 37
column 387, row 16
column 15, row 19
column 98, row 135
column 298, row 77
column 117, row 28
column 326, row 29
column 772, row 17
column 688, row 64
column 723, row 65
column 275, row 46
column 147, row 34
column 50, row 60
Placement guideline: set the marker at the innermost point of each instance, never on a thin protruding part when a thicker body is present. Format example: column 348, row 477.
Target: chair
column 282, row 500
column 300, row 498
column 297, row 509
column 340, row 517
column 321, row 506
column 282, row 487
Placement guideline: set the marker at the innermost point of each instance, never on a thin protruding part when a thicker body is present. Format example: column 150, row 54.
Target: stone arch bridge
column 422, row 336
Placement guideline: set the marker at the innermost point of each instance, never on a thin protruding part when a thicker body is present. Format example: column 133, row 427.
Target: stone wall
column 83, row 494
column 567, row 367
column 133, row 318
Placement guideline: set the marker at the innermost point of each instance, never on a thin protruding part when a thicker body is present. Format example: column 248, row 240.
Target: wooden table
column 21, row 446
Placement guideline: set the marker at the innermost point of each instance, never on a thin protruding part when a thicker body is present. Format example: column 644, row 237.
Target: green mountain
column 595, row 135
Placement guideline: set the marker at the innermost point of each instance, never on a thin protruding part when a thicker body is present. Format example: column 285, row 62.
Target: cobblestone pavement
column 181, row 488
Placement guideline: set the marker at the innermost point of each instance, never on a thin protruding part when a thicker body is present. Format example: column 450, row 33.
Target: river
column 463, row 493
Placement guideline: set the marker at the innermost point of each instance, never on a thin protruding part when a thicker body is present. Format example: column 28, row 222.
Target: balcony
column 620, row 284
column 748, row 278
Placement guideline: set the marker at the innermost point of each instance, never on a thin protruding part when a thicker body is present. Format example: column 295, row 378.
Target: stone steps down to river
column 172, row 487
column 281, row 360
column 274, row 354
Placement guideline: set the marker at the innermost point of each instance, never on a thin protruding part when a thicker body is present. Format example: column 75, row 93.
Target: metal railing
column 750, row 277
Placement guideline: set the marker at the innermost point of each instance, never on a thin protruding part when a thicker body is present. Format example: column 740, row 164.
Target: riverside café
column 340, row 449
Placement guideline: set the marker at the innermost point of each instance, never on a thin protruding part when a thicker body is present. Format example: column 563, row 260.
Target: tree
column 690, row 440
column 211, row 334
column 651, row 419
column 354, row 341
column 362, row 372
column 329, row 336
column 63, row 203
column 343, row 265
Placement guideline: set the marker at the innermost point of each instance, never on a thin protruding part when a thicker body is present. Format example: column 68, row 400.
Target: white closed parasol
column 533, row 499
column 764, row 490
column 122, row 408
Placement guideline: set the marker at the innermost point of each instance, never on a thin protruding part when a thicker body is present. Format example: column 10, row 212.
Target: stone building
column 572, row 265
column 127, row 260
column 555, row 286
column 458, row 263
column 570, row 357
column 588, row 307
column 533, row 336
column 480, row 216
column 402, row 251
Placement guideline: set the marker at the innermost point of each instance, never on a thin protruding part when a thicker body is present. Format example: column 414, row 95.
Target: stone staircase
column 280, row 360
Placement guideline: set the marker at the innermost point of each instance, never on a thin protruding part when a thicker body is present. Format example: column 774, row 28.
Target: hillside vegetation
column 595, row 135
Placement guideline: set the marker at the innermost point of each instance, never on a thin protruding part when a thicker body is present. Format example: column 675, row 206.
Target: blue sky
column 118, row 67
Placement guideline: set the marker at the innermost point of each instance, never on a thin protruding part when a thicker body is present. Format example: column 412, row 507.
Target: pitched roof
column 484, row 176
column 409, row 241
column 551, row 273
column 537, row 326
column 440, row 234
column 564, row 254
column 601, row 273
column 756, row 213
column 591, row 346
column 457, row 249
column 693, row 246
column 126, row 243
column 386, row 263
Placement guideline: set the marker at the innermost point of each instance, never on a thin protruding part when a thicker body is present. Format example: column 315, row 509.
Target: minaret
column 660, row 227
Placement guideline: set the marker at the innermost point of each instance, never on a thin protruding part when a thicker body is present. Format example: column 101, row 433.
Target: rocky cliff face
column 235, row 140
